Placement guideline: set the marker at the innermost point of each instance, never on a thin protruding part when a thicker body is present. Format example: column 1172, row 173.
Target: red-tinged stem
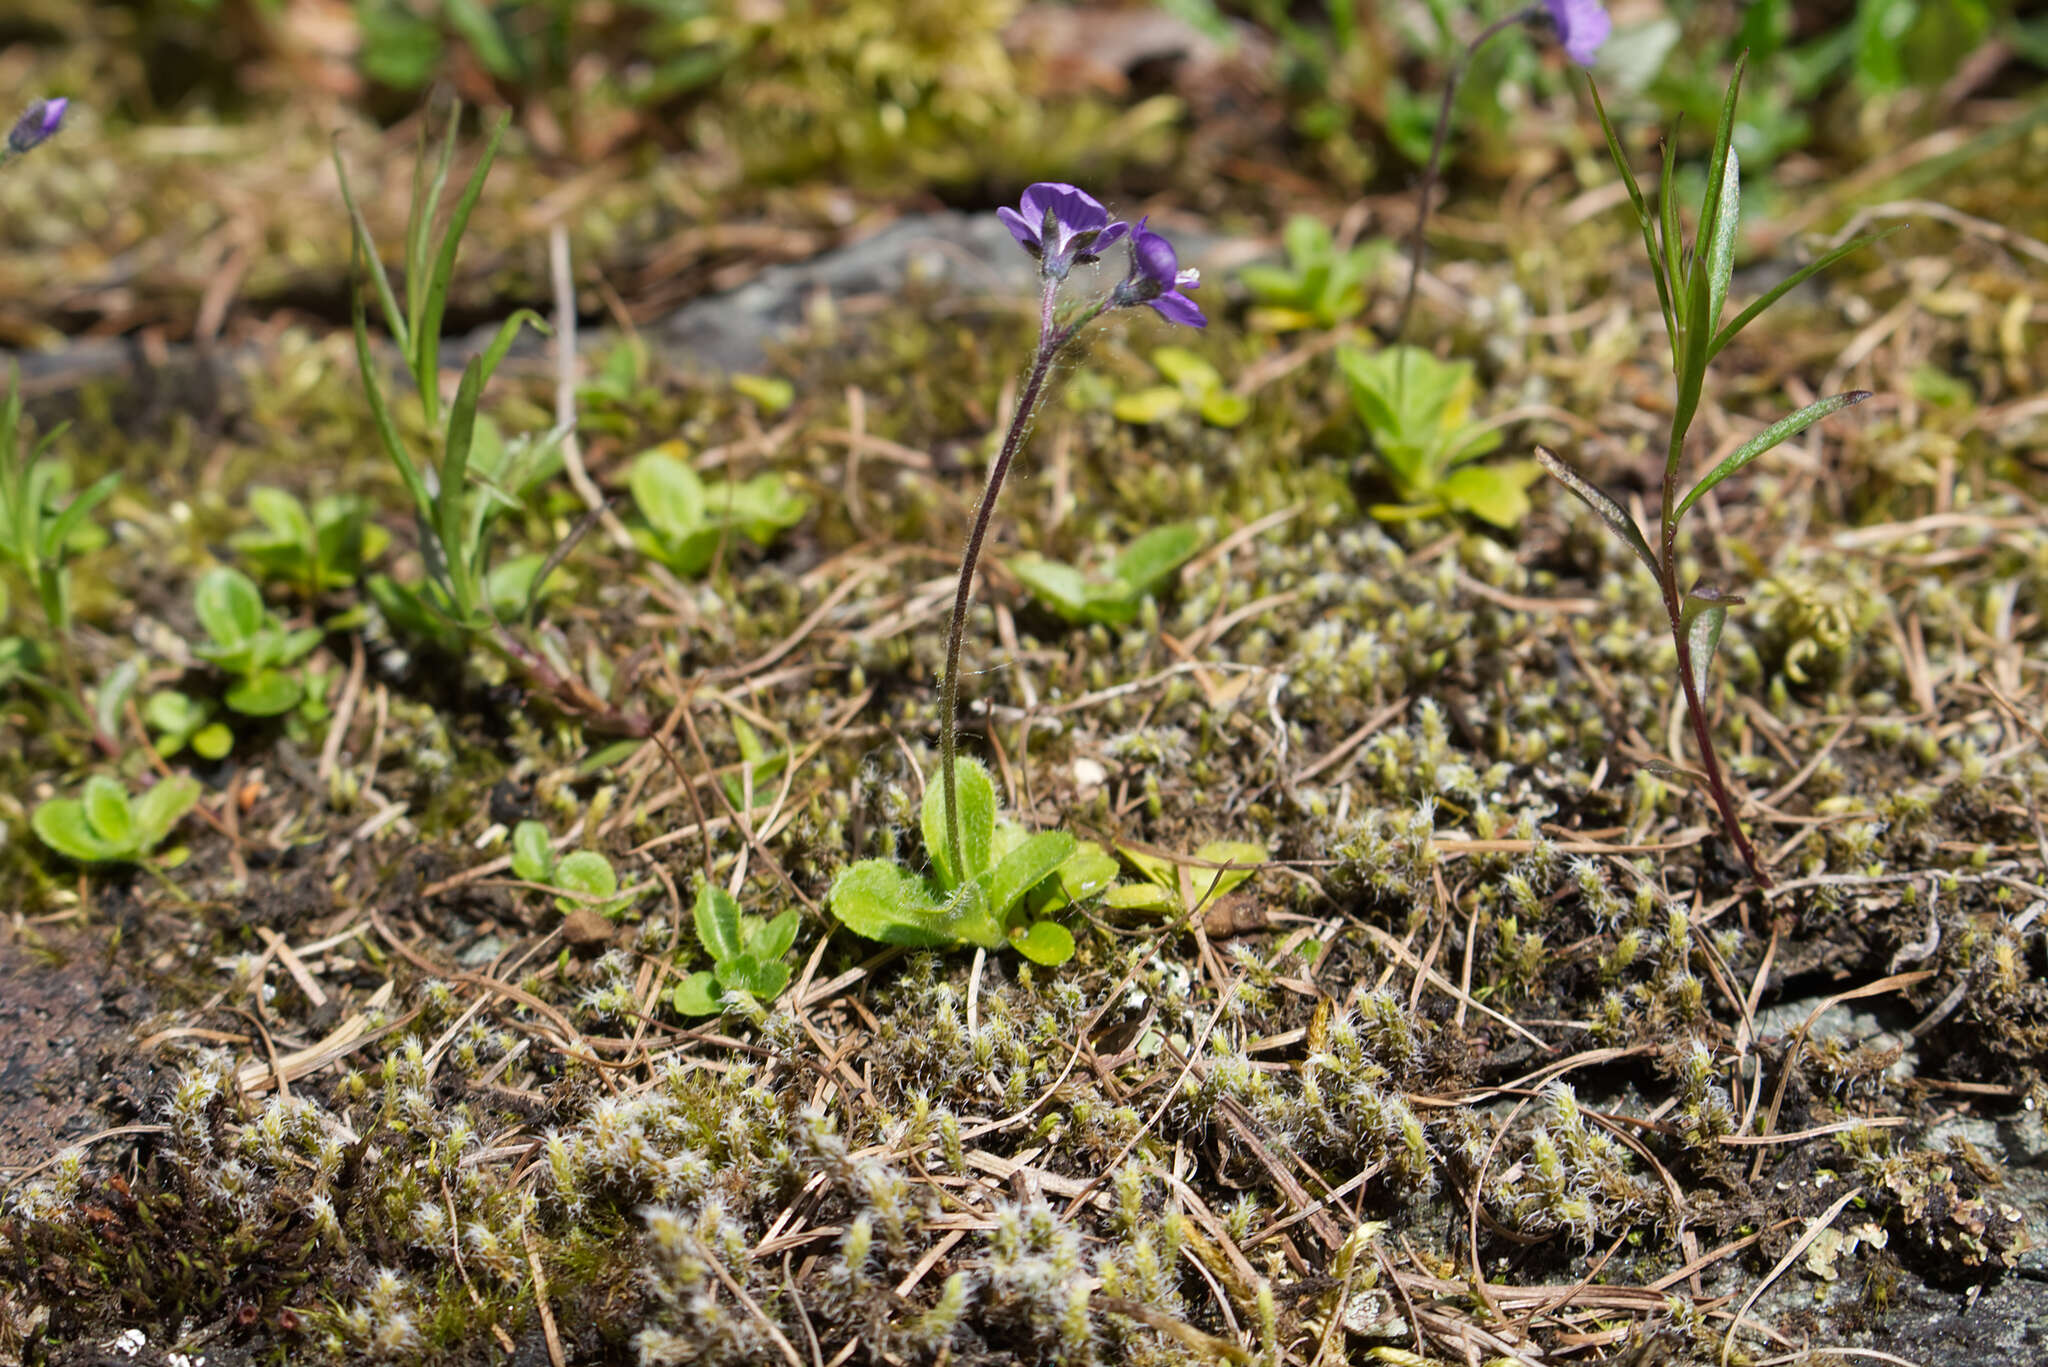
column 1702, row 733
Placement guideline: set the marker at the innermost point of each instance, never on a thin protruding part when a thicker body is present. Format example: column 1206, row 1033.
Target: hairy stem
column 1436, row 158
column 1050, row 340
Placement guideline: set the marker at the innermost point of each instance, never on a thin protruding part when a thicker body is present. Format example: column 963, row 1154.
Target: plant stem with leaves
column 1692, row 289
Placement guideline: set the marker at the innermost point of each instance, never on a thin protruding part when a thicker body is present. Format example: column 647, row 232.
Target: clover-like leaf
column 61, row 824
column 717, row 917
column 266, row 694
column 697, row 995
column 229, row 607
column 669, row 494
column 1141, row 897
column 1087, row 871
column 590, row 879
column 161, row 808
column 977, row 798
column 1046, row 942
column 1148, row 562
column 533, row 857
column 746, row 973
column 1493, row 493
column 1153, row 404
column 770, row 941
column 106, row 808
column 1059, row 586
column 1212, row 883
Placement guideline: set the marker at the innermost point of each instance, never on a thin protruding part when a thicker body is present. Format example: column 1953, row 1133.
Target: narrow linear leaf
column 1721, row 251
column 365, row 246
column 380, row 412
column 1790, row 283
column 427, row 344
column 1659, row 260
column 1612, row 513
column 1778, row 432
column 1716, row 193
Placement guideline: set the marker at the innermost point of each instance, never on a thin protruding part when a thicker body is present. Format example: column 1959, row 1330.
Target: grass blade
column 1611, row 512
column 366, row 247
column 1659, row 262
column 380, row 413
column 1780, row 431
column 435, row 305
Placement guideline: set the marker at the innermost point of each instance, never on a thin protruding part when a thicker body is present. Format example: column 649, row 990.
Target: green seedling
column 762, row 767
column 771, row 393
column 249, row 642
column 1418, row 412
column 584, row 878
column 746, row 954
column 1191, row 383
column 688, row 521
column 103, row 825
column 1321, row 286
column 41, row 532
column 1184, row 887
column 176, row 720
column 1692, row 289
column 314, row 551
column 985, row 901
column 456, row 511
column 1138, row 571
column 472, row 479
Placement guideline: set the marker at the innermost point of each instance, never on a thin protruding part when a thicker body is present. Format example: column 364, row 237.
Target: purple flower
column 1061, row 226
column 37, row 125
column 1582, row 26
column 1157, row 279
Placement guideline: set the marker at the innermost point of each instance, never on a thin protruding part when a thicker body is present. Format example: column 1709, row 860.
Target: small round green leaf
column 1047, row 942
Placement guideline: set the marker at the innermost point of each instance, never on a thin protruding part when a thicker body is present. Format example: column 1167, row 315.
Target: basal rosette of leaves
column 1009, row 882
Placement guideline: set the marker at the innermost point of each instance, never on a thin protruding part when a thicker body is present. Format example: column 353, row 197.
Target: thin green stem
column 1051, row 341
column 1436, row 158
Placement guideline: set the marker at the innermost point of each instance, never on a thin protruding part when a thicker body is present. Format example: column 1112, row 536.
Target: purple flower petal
column 1021, row 228
column 1178, row 308
column 1153, row 257
column 1582, row 26
column 37, row 125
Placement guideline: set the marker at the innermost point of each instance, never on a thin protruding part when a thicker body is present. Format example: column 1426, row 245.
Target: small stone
column 587, row 929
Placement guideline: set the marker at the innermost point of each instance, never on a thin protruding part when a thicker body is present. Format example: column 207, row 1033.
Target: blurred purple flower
column 1157, row 279
column 37, row 125
column 1062, row 227
column 1582, row 26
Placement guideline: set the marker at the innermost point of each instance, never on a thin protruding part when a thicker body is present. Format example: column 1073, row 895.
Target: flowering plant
column 981, row 890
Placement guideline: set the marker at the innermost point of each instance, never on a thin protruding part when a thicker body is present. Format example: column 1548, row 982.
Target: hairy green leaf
column 718, row 921
column 881, row 900
column 1778, row 432
column 1611, row 512
column 977, row 796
